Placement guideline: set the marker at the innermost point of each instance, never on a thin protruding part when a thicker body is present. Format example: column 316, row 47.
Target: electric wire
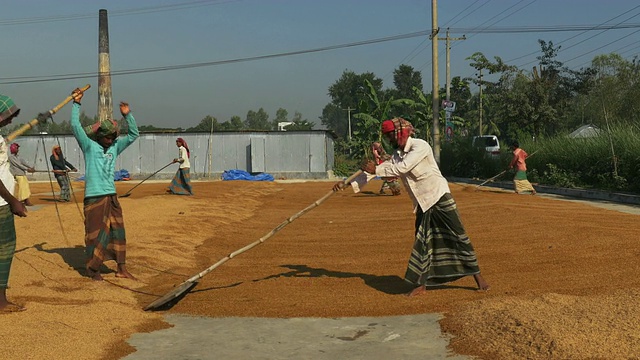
column 618, row 26
column 123, row 12
column 84, row 75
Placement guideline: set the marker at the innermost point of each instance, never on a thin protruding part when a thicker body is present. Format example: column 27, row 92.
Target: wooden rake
column 128, row 193
column 42, row 117
column 173, row 296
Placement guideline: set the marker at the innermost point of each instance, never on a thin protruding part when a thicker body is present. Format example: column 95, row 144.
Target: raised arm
column 133, row 133
column 76, row 127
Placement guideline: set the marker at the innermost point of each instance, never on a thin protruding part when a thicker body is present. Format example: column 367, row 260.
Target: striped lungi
column 521, row 183
column 442, row 251
column 181, row 183
column 7, row 243
column 22, row 191
column 104, row 231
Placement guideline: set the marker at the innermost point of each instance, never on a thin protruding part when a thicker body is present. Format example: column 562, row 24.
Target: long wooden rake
column 128, row 193
column 42, row 117
column 173, row 296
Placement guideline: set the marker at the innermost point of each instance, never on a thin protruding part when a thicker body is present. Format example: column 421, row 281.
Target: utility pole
column 105, row 109
column 435, row 87
column 480, row 83
column 349, row 110
column 448, row 60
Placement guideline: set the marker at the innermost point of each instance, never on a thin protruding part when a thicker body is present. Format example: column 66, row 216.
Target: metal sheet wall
column 278, row 152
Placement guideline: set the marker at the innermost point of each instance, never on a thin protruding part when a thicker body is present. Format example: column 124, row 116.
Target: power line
column 44, row 78
column 124, row 12
column 603, row 46
column 542, row 29
column 31, row 79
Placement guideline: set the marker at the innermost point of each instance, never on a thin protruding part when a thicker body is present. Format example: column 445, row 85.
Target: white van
column 490, row 144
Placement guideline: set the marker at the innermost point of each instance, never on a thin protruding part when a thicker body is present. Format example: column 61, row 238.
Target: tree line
column 517, row 104
column 254, row 121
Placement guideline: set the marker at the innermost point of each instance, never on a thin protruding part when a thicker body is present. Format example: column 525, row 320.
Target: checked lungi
column 181, row 183
column 7, row 243
column 442, row 251
column 104, row 231
column 521, row 183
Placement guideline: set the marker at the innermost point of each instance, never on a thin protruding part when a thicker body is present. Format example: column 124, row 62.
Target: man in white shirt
column 442, row 251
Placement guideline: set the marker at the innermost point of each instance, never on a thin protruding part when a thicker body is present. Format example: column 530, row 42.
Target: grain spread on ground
column 563, row 275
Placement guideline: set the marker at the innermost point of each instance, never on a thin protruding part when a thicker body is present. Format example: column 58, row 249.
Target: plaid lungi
column 7, row 243
column 442, row 251
column 104, row 231
column 521, row 183
column 181, row 183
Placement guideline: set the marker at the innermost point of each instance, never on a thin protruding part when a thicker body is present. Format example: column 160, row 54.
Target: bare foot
column 422, row 289
column 94, row 275
column 11, row 307
column 481, row 282
column 124, row 273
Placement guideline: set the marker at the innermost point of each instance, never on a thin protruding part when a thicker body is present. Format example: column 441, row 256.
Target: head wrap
column 108, row 127
column 54, row 153
column 401, row 128
column 14, row 148
column 184, row 143
column 7, row 108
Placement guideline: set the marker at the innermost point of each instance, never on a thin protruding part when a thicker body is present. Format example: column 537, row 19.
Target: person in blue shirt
column 104, row 224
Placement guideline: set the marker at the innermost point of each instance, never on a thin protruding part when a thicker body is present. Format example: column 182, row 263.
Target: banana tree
column 373, row 112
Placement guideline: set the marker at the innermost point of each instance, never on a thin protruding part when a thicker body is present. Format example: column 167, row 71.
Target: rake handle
column 272, row 232
column 147, row 178
column 31, row 124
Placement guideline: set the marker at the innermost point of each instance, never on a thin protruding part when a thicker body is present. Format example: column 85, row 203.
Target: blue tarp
column 243, row 175
column 121, row 174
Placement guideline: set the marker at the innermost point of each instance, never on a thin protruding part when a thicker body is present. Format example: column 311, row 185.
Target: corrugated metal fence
column 299, row 154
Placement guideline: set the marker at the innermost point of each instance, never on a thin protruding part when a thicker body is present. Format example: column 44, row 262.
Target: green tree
column 233, row 124
column 375, row 110
column 257, row 120
column 206, row 124
column 405, row 79
column 346, row 93
column 299, row 123
column 281, row 116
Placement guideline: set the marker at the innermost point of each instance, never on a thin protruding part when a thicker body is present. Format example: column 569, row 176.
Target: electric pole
column 480, row 83
column 435, row 87
column 448, row 60
column 349, row 110
column 105, row 110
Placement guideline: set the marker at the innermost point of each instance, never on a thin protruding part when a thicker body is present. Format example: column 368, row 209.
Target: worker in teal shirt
column 104, row 224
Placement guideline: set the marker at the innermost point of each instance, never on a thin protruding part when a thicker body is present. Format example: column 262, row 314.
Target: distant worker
column 19, row 169
column 520, row 182
column 181, row 183
column 61, row 168
column 381, row 156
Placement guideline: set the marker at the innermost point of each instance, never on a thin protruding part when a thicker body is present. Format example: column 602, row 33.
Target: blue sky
column 44, row 38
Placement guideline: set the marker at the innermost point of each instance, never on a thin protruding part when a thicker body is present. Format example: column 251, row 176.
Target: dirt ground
column 563, row 275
